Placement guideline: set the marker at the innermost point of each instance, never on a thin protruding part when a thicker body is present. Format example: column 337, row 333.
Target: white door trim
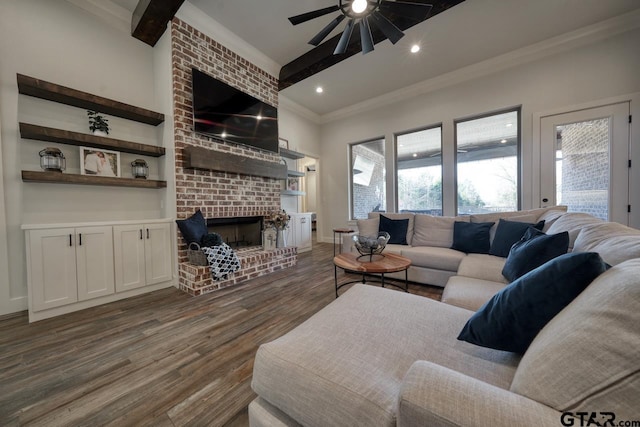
column 634, row 136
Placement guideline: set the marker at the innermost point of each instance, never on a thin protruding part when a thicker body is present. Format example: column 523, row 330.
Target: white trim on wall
column 115, row 15
column 552, row 46
column 8, row 303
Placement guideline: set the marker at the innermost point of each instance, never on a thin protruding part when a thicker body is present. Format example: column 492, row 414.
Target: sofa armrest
column 431, row 394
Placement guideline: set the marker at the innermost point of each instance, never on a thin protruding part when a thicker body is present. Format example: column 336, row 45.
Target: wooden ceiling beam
column 322, row 57
column 150, row 19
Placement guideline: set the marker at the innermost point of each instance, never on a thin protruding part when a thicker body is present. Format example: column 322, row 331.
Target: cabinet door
column 157, row 253
column 94, row 262
column 129, row 263
column 52, row 268
column 304, row 232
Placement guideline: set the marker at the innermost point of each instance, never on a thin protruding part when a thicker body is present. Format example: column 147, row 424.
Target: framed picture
column 293, row 184
column 98, row 162
column 283, row 143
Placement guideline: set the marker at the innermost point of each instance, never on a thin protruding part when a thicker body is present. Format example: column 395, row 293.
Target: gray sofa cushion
column 470, row 293
column 614, row 242
column 572, row 222
column 431, row 257
column 344, row 366
column 434, row 230
column 483, row 266
column 586, row 358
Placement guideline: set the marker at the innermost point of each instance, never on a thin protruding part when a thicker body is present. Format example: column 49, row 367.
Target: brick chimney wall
column 216, row 194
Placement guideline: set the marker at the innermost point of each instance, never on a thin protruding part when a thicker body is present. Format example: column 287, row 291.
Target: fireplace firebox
column 238, row 232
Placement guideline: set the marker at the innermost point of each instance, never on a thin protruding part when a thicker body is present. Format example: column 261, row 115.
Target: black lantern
column 52, row 160
column 139, row 169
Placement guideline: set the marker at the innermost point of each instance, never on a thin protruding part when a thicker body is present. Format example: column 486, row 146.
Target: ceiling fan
column 364, row 13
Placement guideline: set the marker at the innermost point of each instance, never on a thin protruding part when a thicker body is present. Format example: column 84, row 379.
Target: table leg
column 335, row 277
column 334, row 244
column 382, row 279
column 406, row 280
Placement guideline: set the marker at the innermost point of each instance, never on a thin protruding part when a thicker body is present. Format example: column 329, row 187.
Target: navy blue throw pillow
column 534, row 249
column 194, row 228
column 513, row 317
column 508, row 233
column 397, row 229
column 471, row 237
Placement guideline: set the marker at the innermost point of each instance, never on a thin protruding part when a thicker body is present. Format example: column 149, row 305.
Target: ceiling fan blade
column 326, row 30
column 366, row 39
column 387, row 27
column 299, row 19
column 344, row 40
column 417, row 11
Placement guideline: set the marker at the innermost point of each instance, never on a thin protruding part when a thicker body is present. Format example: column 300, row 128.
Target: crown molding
column 221, row 34
column 554, row 45
column 288, row 104
column 115, row 15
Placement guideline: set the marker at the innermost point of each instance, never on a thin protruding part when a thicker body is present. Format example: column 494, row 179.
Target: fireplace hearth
column 238, row 232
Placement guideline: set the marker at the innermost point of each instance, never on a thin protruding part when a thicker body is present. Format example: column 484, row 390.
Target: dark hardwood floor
column 161, row 359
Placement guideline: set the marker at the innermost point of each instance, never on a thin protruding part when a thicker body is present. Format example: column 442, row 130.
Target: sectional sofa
column 378, row 357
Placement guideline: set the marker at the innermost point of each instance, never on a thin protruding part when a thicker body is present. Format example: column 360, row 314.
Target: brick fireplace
column 220, row 195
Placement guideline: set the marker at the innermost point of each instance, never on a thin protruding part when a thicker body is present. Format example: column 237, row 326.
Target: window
column 419, row 169
column 368, row 187
column 487, row 163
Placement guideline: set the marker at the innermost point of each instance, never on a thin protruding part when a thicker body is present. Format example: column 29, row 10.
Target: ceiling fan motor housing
column 347, row 10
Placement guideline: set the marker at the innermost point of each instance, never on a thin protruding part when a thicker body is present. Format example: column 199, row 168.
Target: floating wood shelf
column 295, row 173
column 54, row 92
column 201, row 158
column 42, row 133
column 67, row 178
column 290, row 154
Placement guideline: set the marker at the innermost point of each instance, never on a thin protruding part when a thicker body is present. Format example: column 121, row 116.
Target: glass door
column 585, row 161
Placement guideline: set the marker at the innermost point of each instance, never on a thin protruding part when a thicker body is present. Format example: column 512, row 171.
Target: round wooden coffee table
column 379, row 264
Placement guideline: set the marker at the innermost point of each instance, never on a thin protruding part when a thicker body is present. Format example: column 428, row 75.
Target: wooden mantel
column 202, row 158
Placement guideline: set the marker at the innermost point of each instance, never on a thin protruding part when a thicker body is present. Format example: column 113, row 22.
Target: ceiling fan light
column 359, row 6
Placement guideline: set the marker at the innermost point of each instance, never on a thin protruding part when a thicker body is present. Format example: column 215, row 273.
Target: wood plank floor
column 161, row 359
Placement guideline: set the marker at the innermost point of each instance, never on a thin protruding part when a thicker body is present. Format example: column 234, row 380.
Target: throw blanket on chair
column 222, row 261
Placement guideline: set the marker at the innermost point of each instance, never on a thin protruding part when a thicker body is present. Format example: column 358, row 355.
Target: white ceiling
column 471, row 32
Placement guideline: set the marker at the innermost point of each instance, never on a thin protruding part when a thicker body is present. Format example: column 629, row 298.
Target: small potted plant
column 97, row 123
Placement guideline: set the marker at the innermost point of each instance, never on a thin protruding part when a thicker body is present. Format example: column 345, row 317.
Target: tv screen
column 227, row 113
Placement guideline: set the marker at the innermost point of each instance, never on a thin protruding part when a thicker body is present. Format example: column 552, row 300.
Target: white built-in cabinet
column 300, row 231
column 141, row 255
column 71, row 267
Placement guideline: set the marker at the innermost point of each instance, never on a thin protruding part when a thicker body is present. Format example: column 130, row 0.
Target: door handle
column 141, row 234
column 147, row 233
column 80, row 239
column 70, row 241
column 545, row 200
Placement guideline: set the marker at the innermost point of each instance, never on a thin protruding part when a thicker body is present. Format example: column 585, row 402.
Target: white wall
column 56, row 41
column 601, row 70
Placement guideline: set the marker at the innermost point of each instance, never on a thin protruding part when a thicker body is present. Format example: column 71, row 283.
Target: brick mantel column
column 217, row 194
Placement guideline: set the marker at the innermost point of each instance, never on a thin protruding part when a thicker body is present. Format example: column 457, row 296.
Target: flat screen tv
column 227, row 113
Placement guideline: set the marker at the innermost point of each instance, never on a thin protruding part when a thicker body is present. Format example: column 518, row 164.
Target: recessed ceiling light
column 503, row 141
column 223, row 135
column 415, row 155
column 509, row 125
column 259, row 117
column 415, row 48
column 319, row 89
